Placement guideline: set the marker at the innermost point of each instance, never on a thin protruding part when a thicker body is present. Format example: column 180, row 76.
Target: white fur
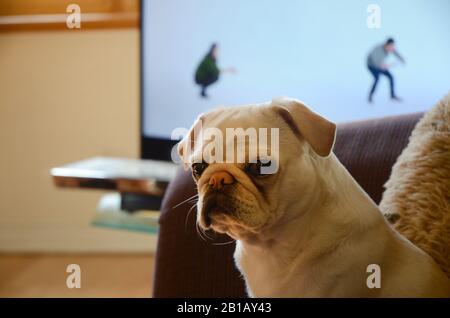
column 314, row 231
column 325, row 251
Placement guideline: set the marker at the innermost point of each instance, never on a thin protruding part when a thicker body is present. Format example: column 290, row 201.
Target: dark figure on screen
column 376, row 65
column 208, row 72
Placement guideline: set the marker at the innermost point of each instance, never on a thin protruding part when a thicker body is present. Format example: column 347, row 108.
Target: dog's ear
column 316, row 130
column 186, row 146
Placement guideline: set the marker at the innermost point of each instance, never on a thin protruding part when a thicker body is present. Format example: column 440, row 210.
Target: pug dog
column 303, row 228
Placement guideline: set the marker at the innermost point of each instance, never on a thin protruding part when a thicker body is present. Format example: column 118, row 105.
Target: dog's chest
column 268, row 276
column 264, row 275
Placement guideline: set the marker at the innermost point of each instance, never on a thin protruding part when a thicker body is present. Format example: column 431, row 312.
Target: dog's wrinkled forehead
column 291, row 117
column 249, row 116
column 238, row 135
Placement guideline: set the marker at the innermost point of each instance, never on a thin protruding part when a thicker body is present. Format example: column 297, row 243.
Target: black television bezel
column 150, row 147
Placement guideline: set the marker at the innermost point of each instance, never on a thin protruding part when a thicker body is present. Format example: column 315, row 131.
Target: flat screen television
column 199, row 54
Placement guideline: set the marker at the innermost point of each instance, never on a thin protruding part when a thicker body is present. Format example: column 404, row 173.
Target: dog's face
column 245, row 186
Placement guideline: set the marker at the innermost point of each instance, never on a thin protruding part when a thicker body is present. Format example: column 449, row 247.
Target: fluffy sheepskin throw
column 417, row 197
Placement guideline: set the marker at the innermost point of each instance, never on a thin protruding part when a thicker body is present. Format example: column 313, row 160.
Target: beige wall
column 64, row 96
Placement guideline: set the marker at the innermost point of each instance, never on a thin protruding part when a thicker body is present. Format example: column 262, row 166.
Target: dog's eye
column 198, row 168
column 254, row 169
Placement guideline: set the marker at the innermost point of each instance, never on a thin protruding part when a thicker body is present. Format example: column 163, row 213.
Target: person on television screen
column 208, row 72
column 376, row 65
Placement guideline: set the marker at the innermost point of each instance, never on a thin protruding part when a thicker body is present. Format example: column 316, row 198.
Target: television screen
column 347, row 60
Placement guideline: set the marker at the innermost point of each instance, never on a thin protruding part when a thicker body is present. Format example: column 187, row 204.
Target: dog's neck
column 338, row 212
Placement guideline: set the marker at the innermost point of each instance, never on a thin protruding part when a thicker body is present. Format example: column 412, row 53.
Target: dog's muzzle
column 215, row 198
column 214, row 203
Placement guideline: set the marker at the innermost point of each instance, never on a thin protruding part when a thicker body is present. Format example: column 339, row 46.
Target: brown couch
column 188, row 266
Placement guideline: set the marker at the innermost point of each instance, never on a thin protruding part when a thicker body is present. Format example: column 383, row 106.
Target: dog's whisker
column 199, row 232
column 224, row 243
column 205, row 234
column 185, row 201
column 187, row 215
column 197, row 228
